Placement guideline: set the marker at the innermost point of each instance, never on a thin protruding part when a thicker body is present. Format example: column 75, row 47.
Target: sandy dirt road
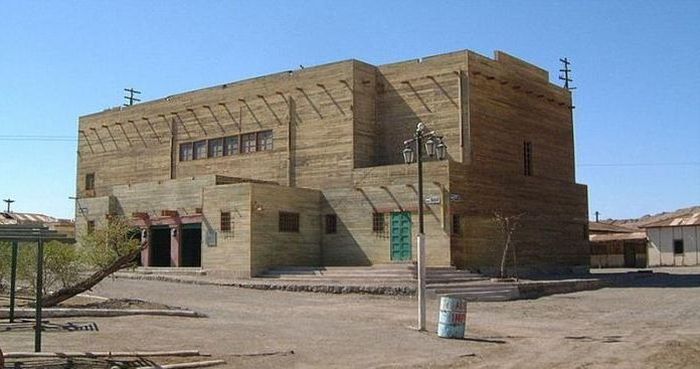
column 640, row 325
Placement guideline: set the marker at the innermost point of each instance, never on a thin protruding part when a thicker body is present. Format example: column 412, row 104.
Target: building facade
column 674, row 241
column 304, row 168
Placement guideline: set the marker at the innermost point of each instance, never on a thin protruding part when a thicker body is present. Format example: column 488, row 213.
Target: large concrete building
column 304, row 168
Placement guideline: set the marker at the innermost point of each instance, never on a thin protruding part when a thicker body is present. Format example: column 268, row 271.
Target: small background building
column 62, row 226
column 674, row 241
column 614, row 246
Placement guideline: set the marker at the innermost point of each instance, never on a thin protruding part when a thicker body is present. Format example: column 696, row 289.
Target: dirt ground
column 648, row 322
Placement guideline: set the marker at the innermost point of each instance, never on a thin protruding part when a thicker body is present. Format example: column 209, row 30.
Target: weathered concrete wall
column 268, row 246
column 661, row 246
column 385, row 189
column 511, row 102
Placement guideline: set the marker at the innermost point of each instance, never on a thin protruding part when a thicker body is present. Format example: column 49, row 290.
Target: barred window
column 186, row 151
column 331, row 224
column 200, row 150
column 231, row 146
column 248, row 142
column 288, row 222
column 90, row 181
column 456, row 225
column 216, row 147
column 527, row 158
column 90, row 226
column 378, row 224
column 225, row 221
column 265, row 140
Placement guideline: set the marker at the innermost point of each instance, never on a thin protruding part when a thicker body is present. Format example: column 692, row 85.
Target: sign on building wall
column 432, row 200
column 211, row 238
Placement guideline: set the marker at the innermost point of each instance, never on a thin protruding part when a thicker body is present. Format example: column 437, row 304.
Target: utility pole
column 131, row 97
column 566, row 71
column 8, row 201
column 597, row 213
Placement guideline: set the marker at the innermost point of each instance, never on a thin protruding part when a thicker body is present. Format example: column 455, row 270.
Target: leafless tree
column 507, row 225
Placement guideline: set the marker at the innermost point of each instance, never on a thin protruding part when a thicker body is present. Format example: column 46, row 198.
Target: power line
column 639, row 164
column 38, row 138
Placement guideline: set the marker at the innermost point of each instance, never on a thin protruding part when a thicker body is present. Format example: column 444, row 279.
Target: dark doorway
column 630, row 256
column 160, row 247
column 191, row 245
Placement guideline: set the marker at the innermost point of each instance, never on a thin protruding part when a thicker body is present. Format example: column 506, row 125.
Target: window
column 265, row 140
column 90, row 226
column 378, row 224
column 200, row 150
column 527, row 158
column 225, row 221
column 90, row 181
column 456, row 225
column 216, row 147
column 678, row 247
column 288, row 222
column 231, row 146
column 331, row 224
column 248, row 142
column 186, row 151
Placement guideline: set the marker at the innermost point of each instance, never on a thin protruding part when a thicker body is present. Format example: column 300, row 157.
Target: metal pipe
column 39, row 293
column 13, row 280
column 421, row 232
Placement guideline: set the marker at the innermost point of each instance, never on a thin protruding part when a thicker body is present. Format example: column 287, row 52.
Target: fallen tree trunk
column 67, row 292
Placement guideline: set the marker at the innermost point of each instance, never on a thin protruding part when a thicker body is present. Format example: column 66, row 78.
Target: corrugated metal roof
column 25, row 218
column 618, row 236
column 599, row 227
column 689, row 219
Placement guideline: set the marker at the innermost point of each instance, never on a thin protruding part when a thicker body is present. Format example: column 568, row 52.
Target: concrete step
column 171, row 270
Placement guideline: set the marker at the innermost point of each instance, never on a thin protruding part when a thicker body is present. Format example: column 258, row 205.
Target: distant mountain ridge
column 648, row 219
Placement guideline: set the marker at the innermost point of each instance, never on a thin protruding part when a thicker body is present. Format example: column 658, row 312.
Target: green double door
column 400, row 236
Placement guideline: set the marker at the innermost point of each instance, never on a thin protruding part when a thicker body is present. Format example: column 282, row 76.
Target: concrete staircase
column 483, row 290
column 187, row 271
column 376, row 273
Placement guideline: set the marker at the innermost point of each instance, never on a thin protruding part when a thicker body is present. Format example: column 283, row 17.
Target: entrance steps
column 476, row 291
column 381, row 272
column 191, row 271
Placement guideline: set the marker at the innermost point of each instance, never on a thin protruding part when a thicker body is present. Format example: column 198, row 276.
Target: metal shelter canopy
column 26, row 233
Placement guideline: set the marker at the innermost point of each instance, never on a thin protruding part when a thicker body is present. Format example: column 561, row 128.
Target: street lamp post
column 434, row 147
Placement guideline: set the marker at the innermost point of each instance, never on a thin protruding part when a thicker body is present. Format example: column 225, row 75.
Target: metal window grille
column 331, row 224
column 527, row 158
column 216, row 147
column 379, row 224
column 90, row 181
column 225, row 221
column 186, row 151
column 248, row 142
column 90, row 226
column 231, row 146
column 200, row 150
column 456, row 225
column 265, row 140
column 288, row 222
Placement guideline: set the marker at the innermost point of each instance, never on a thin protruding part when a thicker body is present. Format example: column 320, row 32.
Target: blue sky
column 635, row 63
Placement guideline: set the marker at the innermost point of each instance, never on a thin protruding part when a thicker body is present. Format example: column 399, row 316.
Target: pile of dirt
column 124, row 304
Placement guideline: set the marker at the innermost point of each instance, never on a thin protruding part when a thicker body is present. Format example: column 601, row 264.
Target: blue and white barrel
column 452, row 318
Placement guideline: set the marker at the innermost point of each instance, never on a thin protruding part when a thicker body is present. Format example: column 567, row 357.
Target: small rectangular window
column 248, row 142
column 216, row 147
column 200, row 150
column 90, row 226
column 456, row 225
column 186, row 151
column 678, row 247
column 90, row 181
column 331, row 224
column 231, row 146
column 288, row 222
column 378, row 224
column 527, row 158
column 265, row 140
column 225, row 221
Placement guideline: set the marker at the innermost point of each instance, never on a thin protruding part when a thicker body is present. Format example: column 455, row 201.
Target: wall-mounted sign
column 432, row 200
column 211, row 238
column 455, row 197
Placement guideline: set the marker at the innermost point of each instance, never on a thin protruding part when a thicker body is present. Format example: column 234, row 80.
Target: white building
column 674, row 241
